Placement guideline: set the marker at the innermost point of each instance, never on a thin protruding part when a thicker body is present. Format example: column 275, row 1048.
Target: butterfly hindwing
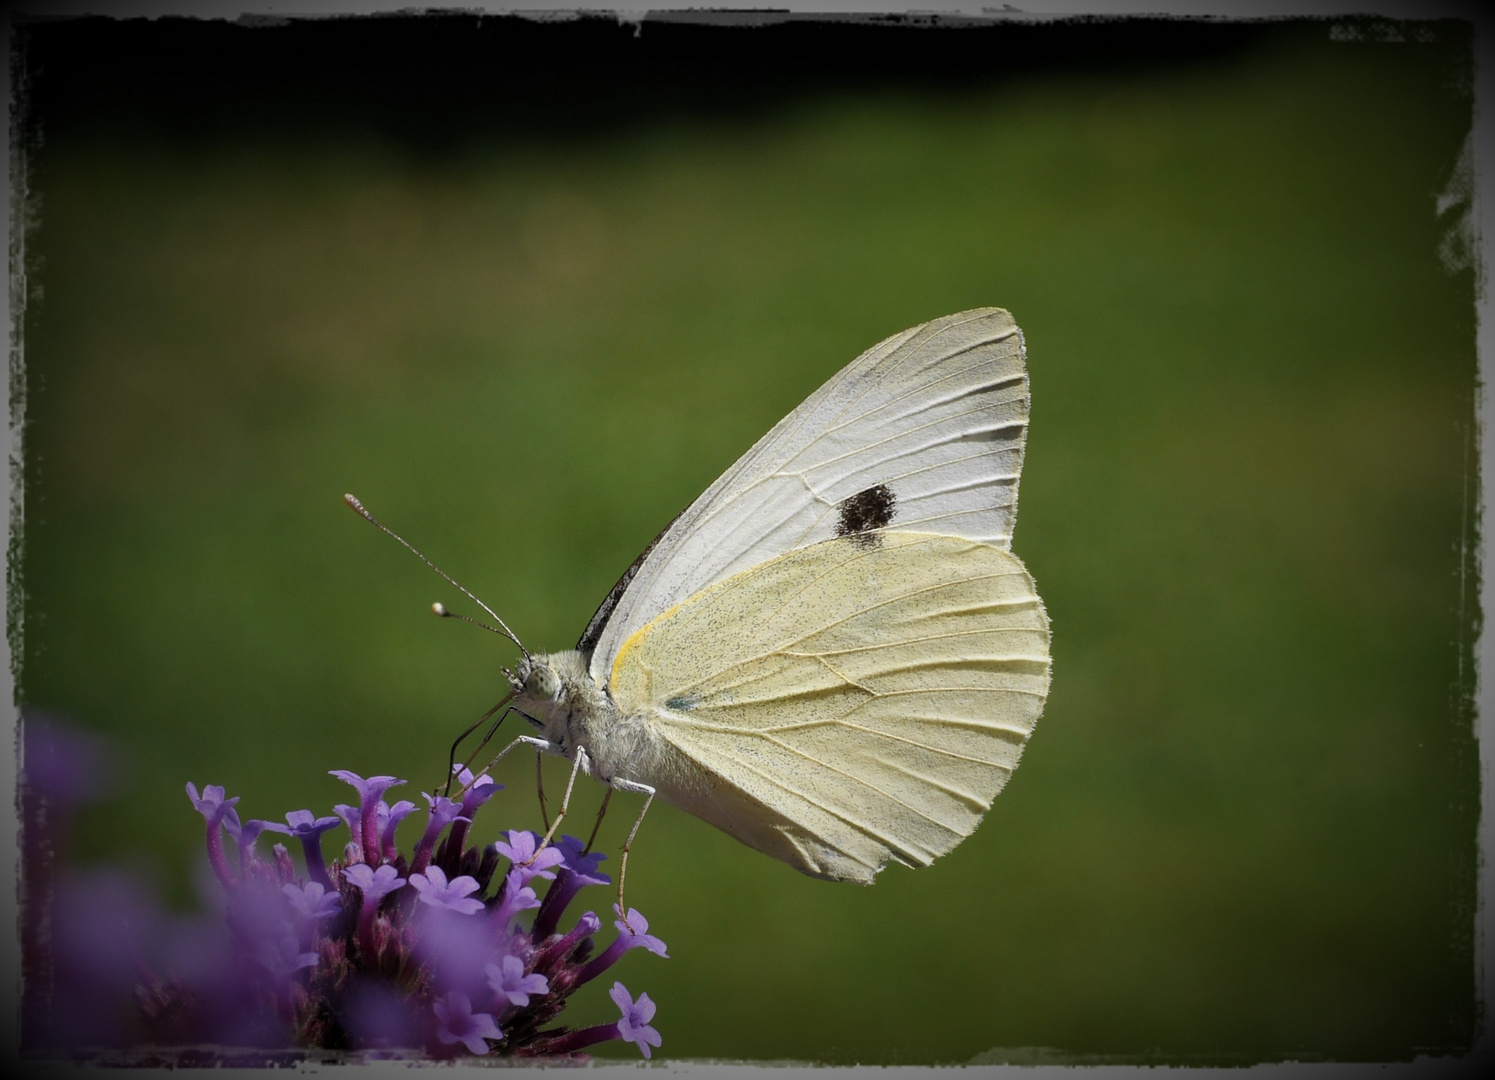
column 855, row 700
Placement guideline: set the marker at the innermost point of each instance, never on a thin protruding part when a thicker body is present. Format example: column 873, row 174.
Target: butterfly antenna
column 441, row 611
column 359, row 509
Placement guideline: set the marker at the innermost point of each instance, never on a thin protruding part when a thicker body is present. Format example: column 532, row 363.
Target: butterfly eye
column 541, row 682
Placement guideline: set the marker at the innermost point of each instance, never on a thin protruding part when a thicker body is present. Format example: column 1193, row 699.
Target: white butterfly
column 832, row 654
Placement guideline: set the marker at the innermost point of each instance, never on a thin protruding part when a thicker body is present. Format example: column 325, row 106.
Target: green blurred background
column 529, row 307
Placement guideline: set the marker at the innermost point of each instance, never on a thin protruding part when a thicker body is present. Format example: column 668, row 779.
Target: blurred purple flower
column 455, row 948
column 256, row 909
column 312, row 901
column 59, row 764
column 338, row 956
column 283, row 958
column 101, row 922
column 375, row 1013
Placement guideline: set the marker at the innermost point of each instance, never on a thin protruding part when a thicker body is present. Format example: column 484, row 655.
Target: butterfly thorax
column 558, row 693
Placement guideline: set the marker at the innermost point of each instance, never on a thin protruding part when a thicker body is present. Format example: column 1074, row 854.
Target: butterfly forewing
column 924, row 431
column 855, row 700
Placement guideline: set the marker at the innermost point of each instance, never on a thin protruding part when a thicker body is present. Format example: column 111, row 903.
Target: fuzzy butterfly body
column 832, row 654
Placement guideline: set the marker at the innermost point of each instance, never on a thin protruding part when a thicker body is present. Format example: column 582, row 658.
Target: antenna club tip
column 439, row 610
column 352, row 500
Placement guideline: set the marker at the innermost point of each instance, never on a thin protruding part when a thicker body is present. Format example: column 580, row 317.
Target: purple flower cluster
column 453, row 950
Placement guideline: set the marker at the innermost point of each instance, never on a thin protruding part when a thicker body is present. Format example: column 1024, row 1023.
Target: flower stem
column 373, row 853
column 215, row 851
column 316, row 868
column 366, row 932
column 573, row 1041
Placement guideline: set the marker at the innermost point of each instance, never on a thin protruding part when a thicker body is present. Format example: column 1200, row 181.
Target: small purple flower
column 312, row 901
column 435, row 890
column 632, row 934
column 582, row 863
column 308, row 828
column 475, row 792
column 215, row 808
column 375, row 885
column 521, row 851
column 517, row 897
column 459, row 1024
column 635, row 927
column 577, row 871
column 370, row 791
column 557, row 947
column 303, row 823
column 389, row 819
column 244, row 837
column 508, row 980
column 634, row 1026
column 210, row 804
column 443, row 812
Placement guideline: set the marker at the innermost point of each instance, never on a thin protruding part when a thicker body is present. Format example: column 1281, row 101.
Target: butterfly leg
column 560, row 815
column 607, row 794
column 521, row 740
column 540, row 786
column 640, row 789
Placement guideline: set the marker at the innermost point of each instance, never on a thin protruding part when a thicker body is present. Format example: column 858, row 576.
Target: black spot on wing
column 593, row 633
column 864, row 513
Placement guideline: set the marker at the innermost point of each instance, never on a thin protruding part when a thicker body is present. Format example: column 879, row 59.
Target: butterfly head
column 555, row 692
column 535, row 681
